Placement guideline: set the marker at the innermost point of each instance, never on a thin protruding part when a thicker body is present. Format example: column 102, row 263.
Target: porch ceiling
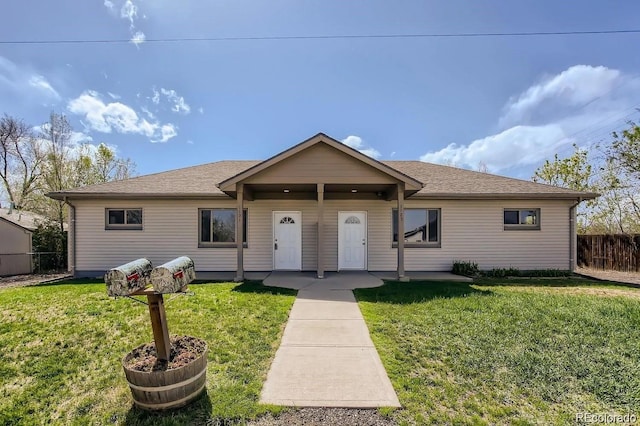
column 310, row 192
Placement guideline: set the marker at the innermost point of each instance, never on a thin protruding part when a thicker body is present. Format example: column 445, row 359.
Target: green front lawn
column 61, row 348
column 507, row 352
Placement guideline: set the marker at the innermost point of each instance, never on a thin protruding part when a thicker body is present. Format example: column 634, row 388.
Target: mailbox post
column 158, row 324
column 167, row 386
column 131, row 279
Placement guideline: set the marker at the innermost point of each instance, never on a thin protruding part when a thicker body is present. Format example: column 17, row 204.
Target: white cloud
column 78, row 138
column 546, row 118
column 26, row 83
column 571, row 88
column 201, row 110
column 148, row 113
column 117, row 117
column 356, row 142
column 129, row 11
column 113, row 95
column 179, row 104
column 138, row 38
column 41, row 83
column 156, row 96
column 519, row 145
column 167, row 131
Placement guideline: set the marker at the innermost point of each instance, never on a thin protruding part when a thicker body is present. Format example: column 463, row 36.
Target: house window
column 521, row 219
column 123, row 219
column 218, row 228
column 421, row 227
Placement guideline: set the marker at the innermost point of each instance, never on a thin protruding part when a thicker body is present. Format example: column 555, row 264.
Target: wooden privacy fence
column 618, row 252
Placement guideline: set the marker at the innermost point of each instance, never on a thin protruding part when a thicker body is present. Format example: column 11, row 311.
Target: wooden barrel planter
column 167, row 389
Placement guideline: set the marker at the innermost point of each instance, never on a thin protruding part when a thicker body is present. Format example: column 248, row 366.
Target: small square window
column 522, row 219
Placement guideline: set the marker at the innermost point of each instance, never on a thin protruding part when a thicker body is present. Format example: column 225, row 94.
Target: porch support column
column 240, row 231
column 401, row 231
column 321, row 230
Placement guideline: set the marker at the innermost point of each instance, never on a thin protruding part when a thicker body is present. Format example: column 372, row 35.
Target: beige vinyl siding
column 320, row 163
column 15, row 243
column 474, row 230
column 170, row 229
column 470, row 230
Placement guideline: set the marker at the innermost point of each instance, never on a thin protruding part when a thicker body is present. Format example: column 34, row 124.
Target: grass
column 61, row 348
column 507, row 352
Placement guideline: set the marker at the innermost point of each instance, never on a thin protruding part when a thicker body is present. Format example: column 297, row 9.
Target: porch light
column 286, row 191
column 354, row 190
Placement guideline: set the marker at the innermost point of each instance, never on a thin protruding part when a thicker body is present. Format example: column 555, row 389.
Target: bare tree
column 21, row 158
column 57, row 176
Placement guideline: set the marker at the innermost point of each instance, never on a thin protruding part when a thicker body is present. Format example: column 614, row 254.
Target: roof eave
column 128, row 195
column 507, row 196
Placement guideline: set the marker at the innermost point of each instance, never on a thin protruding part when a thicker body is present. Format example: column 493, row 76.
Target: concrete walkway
column 326, row 357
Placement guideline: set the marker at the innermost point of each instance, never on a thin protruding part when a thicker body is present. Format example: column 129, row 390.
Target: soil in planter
column 184, row 350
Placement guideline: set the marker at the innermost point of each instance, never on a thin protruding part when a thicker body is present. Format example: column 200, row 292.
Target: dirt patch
column 184, row 350
column 608, row 275
column 31, row 279
column 325, row 416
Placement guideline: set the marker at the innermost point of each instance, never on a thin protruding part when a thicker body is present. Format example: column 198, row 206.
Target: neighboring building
column 16, row 229
column 322, row 206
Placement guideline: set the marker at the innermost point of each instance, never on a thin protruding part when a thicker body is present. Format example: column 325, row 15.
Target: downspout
column 72, row 231
column 572, row 235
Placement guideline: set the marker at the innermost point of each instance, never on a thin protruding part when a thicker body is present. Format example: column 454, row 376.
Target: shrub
column 548, row 273
column 50, row 248
column 465, row 267
column 502, row 272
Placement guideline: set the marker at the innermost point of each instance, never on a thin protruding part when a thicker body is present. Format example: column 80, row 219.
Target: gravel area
column 622, row 277
column 31, row 279
column 325, row 416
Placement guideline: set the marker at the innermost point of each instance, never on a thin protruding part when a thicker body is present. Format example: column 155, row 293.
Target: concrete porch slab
column 229, row 276
column 421, row 276
column 344, row 280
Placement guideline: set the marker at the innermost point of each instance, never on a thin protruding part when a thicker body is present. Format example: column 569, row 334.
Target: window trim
column 522, row 226
column 212, row 244
column 426, row 244
column 123, row 226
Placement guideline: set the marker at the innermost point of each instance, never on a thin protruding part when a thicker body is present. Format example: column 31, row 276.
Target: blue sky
column 509, row 102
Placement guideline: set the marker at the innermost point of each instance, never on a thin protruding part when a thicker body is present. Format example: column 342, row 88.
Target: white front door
column 352, row 240
column 287, row 240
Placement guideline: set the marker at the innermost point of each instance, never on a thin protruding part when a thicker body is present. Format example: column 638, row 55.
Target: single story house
column 322, row 206
column 16, row 230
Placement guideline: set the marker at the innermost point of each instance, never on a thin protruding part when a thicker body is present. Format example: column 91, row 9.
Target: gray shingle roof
column 24, row 219
column 440, row 182
column 446, row 181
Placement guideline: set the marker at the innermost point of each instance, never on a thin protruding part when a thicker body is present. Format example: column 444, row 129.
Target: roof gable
column 321, row 159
